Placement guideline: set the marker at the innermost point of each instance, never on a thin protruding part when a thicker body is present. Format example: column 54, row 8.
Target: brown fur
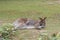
column 36, row 23
column 22, row 20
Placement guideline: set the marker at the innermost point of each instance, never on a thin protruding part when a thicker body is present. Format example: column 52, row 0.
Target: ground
column 10, row 10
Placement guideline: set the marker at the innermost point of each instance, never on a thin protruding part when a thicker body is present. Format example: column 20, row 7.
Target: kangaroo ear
column 45, row 18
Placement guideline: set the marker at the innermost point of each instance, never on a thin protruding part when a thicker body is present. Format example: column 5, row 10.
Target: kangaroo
column 27, row 23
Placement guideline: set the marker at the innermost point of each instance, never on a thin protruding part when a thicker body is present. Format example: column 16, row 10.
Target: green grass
column 13, row 9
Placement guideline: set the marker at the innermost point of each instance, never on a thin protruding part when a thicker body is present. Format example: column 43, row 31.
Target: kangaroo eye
column 40, row 24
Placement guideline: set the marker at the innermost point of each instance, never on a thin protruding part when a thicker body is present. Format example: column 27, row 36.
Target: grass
column 13, row 9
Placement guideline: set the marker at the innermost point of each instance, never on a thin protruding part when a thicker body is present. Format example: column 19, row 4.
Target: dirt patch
column 58, row 1
column 1, row 22
column 53, row 2
column 32, row 34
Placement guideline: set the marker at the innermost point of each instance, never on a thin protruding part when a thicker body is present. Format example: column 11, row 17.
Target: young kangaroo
column 27, row 23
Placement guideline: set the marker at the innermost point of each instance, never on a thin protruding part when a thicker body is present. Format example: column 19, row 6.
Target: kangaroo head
column 42, row 21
